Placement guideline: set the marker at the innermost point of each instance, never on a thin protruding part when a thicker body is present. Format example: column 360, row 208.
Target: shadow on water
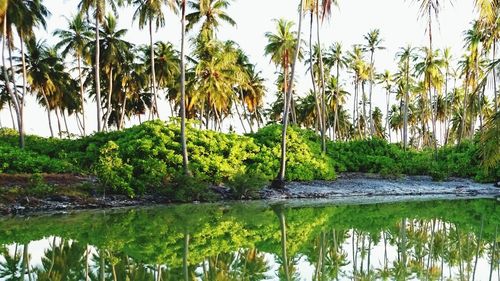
column 432, row 240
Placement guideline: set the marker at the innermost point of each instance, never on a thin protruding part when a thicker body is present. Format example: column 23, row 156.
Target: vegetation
column 440, row 100
column 147, row 159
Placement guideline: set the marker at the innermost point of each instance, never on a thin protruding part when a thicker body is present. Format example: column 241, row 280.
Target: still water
column 432, row 240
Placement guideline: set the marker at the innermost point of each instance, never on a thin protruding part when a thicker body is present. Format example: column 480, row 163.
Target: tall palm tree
column 115, row 51
column 150, row 12
column 373, row 43
column 99, row 8
column 24, row 16
column 284, row 49
column 335, row 57
column 387, row 81
column 75, row 40
column 406, row 57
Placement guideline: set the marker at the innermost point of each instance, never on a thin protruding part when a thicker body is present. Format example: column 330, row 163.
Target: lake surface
column 431, row 240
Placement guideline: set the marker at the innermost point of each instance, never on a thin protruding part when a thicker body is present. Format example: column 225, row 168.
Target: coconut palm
column 99, row 8
column 406, row 57
column 74, row 40
column 24, row 17
column 115, row 50
column 212, row 13
column 335, row 58
column 373, row 43
column 149, row 13
column 284, row 49
column 387, row 81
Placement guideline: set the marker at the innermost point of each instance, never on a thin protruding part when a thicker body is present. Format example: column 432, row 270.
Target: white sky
column 396, row 19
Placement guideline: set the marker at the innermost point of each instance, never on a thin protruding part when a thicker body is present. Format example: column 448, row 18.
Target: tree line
column 440, row 99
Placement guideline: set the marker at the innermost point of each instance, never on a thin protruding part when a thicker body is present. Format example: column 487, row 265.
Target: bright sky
column 396, row 19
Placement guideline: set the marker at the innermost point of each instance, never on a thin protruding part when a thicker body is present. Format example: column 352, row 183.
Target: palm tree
column 75, row 40
column 335, row 57
column 406, row 57
column 99, row 7
column 373, row 42
column 150, row 12
column 284, row 49
column 24, row 16
column 387, row 80
column 336, row 98
column 211, row 12
column 447, row 60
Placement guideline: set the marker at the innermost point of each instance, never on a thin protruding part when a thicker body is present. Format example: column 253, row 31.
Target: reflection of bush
column 155, row 235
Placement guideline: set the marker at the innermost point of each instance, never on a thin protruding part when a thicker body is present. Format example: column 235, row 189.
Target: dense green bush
column 304, row 158
column 147, row 158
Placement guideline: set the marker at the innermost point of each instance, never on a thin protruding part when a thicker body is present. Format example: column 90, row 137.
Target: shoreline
column 349, row 187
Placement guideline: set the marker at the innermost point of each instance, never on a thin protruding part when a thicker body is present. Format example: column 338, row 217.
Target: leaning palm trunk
column 336, row 116
column 185, row 161
column 313, row 78
column 280, row 181
column 97, row 75
column 322, row 77
column 16, row 100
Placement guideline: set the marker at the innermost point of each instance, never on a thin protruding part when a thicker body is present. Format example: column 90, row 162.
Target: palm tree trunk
column 363, row 99
column 82, row 92
column 336, row 117
column 58, row 123
column 387, row 127
column 464, row 110
column 12, row 93
column 24, row 93
column 313, row 78
column 280, row 181
column 322, row 76
column 370, row 94
column 282, row 219
column 239, row 116
column 495, row 78
column 97, row 73
column 11, row 114
column 25, row 269
column 407, row 100
column 153, row 72
column 65, row 121
column 185, row 161
column 48, row 112
column 110, row 94
column 122, row 115
column 445, row 140
column 493, row 253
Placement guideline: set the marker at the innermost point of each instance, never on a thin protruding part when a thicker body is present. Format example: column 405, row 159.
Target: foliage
column 111, row 170
column 147, row 159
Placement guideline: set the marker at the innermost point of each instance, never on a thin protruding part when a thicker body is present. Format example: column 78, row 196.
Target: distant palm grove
column 442, row 98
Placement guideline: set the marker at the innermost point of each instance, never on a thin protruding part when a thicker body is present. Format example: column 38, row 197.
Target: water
column 432, row 240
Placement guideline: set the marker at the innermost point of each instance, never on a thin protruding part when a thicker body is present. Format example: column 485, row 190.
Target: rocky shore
column 361, row 188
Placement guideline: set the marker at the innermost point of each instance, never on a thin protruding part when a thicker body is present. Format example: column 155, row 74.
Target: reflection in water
column 440, row 240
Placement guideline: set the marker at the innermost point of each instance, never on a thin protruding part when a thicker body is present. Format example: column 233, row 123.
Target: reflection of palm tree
column 251, row 265
column 10, row 268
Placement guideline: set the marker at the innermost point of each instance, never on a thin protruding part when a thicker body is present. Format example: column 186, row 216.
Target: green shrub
column 112, row 172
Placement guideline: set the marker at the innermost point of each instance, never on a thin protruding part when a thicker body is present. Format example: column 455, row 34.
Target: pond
column 294, row 240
